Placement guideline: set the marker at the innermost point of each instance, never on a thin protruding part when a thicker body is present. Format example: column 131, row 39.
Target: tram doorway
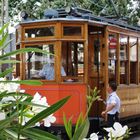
column 96, row 66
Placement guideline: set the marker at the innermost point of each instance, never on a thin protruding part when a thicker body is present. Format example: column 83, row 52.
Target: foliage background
column 130, row 9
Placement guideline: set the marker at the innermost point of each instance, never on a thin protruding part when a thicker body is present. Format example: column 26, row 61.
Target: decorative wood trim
column 123, row 31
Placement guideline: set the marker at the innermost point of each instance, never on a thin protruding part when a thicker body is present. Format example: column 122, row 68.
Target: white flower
column 93, row 136
column 50, row 119
column 2, row 115
column 9, row 87
column 37, row 99
column 40, row 101
column 118, row 130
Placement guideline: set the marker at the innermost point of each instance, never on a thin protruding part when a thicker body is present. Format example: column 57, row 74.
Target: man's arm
column 108, row 108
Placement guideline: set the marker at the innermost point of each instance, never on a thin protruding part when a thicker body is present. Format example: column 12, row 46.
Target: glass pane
column 96, row 55
column 112, row 45
column 123, row 72
column 39, row 32
column 133, row 49
column 73, row 60
column 112, row 38
column 133, row 71
column 123, row 59
column 40, row 66
column 133, row 59
column 72, row 31
column 123, row 47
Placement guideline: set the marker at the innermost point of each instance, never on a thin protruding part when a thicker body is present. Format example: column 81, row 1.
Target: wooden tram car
column 93, row 50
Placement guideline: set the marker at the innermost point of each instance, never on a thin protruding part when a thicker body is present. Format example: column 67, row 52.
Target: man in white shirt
column 112, row 105
column 48, row 72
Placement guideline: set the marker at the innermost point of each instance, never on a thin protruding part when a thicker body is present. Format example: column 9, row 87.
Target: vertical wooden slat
column 22, row 56
column 128, row 66
column 58, row 51
column 58, row 62
column 118, row 60
column 86, row 53
column 105, row 61
column 138, row 60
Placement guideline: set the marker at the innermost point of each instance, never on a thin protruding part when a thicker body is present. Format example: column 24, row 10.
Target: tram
column 92, row 50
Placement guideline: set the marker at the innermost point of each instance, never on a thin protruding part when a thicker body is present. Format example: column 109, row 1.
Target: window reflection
column 71, row 31
column 36, row 61
column 112, row 38
column 123, row 59
column 73, row 60
column 133, row 59
column 133, row 48
column 18, row 35
column 39, row 32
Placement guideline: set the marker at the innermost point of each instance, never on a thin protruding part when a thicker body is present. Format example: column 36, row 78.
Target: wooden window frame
column 39, row 26
column 75, row 37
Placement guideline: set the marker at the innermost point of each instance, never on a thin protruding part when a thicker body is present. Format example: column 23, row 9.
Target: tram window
column 73, row 61
column 72, row 30
column 36, row 62
column 18, row 35
column 133, row 59
column 96, row 55
column 112, row 56
column 39, row 32
column 123, row 59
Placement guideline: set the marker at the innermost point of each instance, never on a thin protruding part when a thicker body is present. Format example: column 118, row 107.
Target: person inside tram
column 48, row 72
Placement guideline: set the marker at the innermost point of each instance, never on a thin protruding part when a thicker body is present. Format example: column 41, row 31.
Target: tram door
column 95, row 64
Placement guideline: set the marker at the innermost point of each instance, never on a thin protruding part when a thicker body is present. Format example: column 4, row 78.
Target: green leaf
column 25, row 82
column 23, row 50
column 37, row 134
column 68, row 126
column 10, row 134
column 2, row 94
column 46, row 112
column 3, row 28
column 79, row 121
column 6, row 122
column 6, row 45
column 9, row 61
column 32, row 104
column 21, row 106
column 6, row 72
column 3, row 39
column 6, row 94
column 30, row 82
column 82, row 131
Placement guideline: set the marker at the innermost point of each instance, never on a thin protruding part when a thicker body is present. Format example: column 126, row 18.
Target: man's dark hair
column 113, row 86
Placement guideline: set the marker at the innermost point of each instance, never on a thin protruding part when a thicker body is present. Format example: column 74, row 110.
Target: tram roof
column 84, row 16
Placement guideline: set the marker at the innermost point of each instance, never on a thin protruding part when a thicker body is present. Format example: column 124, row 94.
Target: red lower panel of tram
column 54, row 92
